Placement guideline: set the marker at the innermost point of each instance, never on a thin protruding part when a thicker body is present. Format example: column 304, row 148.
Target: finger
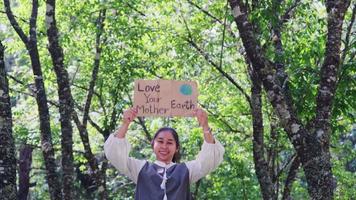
column 195, row 112
column 199, row 113
column 130, row 111
column 135, row 110
column 200, row 109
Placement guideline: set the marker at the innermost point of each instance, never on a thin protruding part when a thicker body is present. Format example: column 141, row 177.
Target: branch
column 135, row 9
column 96, row 126
column 216, row 66
column 31, row 87
column 347, row 47
column 329, row 70
column 21, row 92
column 101, row 101
column 283, row 168
column 84, row 88
column 348, row 34
column 291, row 177
column 20, row 18
column 74, row 75
column 255, row 3
column 100, row 26
column 206, row 12
column 214, row 18
column 14, row 23
column 17, row 80
column 197, row 184
column 56, row 149
column 282, row 77
column 114, row 115
column 223, row 37
column 88, row 154
column 272, row 152
column 53, row 103
column 287, row 15
column 221, row 120
column 141, row 121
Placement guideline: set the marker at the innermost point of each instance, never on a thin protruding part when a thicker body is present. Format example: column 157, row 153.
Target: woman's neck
column 163, row 163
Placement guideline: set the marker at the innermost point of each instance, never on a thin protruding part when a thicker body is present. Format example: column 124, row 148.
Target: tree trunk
column 41, row 98
column 45, row 127
column 93, row 162
column 65, row 100
column 316, row 161
column 261, row 165
column 7, row 145
column 25, row 161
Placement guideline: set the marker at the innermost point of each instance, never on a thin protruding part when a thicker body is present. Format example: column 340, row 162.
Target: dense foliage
column 182, row 40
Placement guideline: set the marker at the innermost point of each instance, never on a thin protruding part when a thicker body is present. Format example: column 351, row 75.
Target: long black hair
column 174, row 133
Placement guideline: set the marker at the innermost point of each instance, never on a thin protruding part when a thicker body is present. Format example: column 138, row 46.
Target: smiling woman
column 165, row 178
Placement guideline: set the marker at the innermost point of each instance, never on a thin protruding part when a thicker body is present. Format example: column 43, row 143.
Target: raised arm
column 117, row 149
column 211, row 153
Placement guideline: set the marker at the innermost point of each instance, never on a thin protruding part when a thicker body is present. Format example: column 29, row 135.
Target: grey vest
column 149, row 181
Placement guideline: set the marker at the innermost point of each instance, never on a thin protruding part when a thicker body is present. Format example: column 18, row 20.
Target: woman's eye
column 160, row 142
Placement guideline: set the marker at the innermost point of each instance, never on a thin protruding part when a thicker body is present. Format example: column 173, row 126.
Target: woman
column 163, row 179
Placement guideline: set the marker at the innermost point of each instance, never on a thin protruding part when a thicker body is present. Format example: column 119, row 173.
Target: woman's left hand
column 202, row 117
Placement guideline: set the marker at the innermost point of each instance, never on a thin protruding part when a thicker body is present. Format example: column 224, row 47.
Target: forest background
column 277, row 77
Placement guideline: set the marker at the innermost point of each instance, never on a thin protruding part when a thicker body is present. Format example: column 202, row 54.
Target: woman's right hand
column 129, row 115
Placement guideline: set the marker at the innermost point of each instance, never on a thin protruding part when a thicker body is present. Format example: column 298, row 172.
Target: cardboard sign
column 165, row 97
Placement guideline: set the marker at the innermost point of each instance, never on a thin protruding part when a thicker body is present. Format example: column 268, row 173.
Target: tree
column 40, row 94
column 265, row 154
column 7, row 144
column 97, row 175
column 311, row 142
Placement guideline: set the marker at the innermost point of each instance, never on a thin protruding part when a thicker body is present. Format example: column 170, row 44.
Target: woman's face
column 164, row 146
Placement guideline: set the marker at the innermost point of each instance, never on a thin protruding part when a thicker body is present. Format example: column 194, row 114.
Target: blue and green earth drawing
column 186, row 89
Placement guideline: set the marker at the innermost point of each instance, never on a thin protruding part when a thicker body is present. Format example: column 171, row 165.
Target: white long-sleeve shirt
column 117, row 152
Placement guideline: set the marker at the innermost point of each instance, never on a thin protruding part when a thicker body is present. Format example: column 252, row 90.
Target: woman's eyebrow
column 161, row 138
